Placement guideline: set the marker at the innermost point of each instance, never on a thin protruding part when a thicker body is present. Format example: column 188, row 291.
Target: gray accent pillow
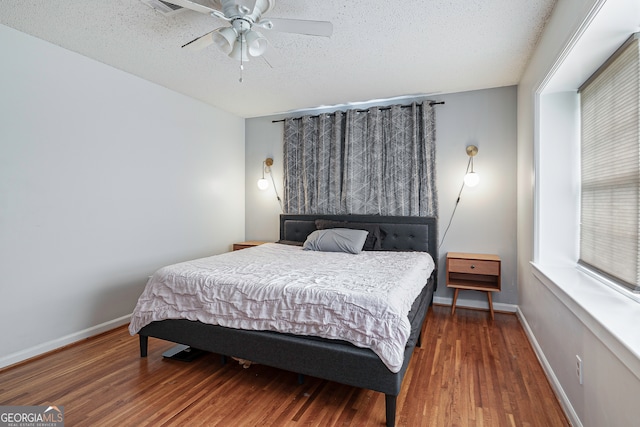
column 374, row 239
column 336, row 240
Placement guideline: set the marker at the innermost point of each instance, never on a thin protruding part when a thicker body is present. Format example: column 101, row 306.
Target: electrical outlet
column 579, row 369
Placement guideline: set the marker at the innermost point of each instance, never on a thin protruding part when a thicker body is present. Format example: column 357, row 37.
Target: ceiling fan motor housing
column 241, row 25
column 231, row 8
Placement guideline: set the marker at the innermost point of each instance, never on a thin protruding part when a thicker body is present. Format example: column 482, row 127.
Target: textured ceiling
column 379, row 49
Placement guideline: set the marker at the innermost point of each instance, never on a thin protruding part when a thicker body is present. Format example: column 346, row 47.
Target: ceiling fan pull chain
column 241, row 58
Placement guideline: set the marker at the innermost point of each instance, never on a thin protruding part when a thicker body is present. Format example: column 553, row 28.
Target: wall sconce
column 471, row 179
column 263, row 184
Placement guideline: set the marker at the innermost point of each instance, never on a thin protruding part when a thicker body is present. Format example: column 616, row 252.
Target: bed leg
column 223, row 359
column 300, row 379
column 144, row 341
column 424, row 321
column 390, row 409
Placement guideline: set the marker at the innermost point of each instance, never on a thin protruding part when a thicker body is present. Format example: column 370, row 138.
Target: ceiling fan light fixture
column 225, row 39
column 256, row 43
column 239, row 51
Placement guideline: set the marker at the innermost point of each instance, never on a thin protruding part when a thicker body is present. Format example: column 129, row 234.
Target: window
column 610, row 167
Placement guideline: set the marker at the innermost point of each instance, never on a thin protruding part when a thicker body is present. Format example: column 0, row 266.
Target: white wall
column 485, row 220
column 565, row 312
column 104, row 178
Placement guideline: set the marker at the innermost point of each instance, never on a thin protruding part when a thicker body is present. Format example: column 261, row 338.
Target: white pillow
column 336, row 240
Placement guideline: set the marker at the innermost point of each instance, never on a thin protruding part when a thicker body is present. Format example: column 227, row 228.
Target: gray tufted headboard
column 398, row 232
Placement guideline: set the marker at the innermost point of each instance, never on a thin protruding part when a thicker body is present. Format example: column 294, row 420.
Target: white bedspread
column 363, row 299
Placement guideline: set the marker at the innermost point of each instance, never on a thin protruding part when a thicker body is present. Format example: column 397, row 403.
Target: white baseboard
column 62, row 341
column 551, row 376
column 484, row 305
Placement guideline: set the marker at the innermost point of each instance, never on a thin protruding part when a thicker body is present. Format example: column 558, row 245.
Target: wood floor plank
column 470, row 371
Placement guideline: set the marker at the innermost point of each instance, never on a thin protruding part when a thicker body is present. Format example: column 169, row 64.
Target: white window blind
column 610, row 155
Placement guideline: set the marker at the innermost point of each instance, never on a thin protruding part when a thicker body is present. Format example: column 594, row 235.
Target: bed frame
column 332, row 360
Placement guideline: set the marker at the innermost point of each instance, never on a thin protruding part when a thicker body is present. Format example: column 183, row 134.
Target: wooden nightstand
column 247, row 244
column 476, row 272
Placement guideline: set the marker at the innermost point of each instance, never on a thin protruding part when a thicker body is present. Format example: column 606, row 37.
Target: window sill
column 611, row 316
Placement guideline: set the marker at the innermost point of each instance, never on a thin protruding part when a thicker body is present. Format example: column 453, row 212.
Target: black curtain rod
column 432, row 103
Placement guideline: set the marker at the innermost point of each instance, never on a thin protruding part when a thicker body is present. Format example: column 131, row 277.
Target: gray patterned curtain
column 379, row 161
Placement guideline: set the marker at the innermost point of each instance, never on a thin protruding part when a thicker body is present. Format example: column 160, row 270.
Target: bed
column 333, row 359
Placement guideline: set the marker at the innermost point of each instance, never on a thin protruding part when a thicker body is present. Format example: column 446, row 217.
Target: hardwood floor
column 470, row 371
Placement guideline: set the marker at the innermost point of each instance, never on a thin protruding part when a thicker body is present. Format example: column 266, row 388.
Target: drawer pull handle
column 473, row 266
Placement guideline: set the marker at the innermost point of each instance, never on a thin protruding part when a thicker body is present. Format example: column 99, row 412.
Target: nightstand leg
column 455, row 297
column 490, row 303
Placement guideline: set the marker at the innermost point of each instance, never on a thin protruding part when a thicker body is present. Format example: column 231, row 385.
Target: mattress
column 360, row 298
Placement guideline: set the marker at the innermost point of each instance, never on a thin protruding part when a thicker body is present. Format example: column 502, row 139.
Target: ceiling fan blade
column 188, row 4
column 201, row 42
column 298, row 26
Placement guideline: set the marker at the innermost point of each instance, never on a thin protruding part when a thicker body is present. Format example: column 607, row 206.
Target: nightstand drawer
column 474, row 266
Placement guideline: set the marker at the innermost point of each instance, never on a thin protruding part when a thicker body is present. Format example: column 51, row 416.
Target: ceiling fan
column 240, row 40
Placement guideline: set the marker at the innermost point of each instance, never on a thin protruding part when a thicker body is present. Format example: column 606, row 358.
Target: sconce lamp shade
column 471, row 179
column 263, row 184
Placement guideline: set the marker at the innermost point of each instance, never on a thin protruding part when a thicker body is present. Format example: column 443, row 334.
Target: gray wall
column 104, row 178
column 485, row 221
